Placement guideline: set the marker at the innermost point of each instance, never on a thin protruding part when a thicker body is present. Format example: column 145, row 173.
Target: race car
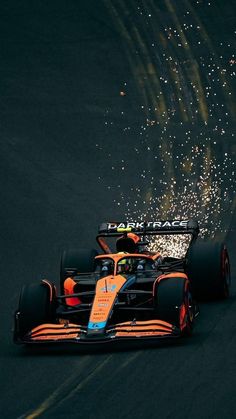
column 131, row 292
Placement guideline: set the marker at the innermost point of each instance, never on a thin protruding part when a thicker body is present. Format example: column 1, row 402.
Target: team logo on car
column 108, row 288
column 150, row 224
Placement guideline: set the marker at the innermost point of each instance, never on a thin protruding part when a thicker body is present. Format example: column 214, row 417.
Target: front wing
column 74, row 333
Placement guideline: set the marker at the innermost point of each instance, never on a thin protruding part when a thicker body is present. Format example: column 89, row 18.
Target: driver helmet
column 125, row 266
column 128, row 243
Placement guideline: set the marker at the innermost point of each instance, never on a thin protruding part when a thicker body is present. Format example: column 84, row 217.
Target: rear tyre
column 76, row 260
column 37, row 305
column 174, row 303
column 208, row 269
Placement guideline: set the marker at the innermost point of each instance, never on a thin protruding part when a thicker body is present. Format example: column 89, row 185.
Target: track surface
column 66, row 132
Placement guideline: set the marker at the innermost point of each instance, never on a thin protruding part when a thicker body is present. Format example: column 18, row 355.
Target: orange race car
column 128, row 292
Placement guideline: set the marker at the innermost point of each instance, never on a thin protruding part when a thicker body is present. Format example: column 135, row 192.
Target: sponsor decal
column 103, row 300
column 108, row 288
column 98, row 318
column 124, row 229
column 128, row 226
column 96, row 325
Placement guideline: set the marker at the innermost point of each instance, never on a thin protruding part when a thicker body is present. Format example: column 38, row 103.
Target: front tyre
column 37, row 305
column 173, row 300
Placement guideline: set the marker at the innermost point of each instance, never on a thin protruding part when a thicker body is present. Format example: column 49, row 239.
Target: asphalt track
column 74, row 150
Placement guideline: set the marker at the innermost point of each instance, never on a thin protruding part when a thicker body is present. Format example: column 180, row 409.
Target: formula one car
column 132, row 293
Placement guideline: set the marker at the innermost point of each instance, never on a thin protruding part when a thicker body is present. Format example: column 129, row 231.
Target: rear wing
column 144, row 229
column 149, row 228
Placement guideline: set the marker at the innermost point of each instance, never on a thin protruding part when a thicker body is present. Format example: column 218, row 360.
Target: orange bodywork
column 98, row 327
column 68, row 290
column 49, row 331
column 172, row 275
column 72, row 332
column 134, row 237
column 117, row 256
column 106, row 292
column 143, row 328
column 156, row 256
column 102, row 242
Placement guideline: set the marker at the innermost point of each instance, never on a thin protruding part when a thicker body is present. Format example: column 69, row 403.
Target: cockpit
column 124, row 265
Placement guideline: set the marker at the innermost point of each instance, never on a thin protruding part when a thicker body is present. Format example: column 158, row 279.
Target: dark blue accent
column 130, row 281
column 98, row 325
